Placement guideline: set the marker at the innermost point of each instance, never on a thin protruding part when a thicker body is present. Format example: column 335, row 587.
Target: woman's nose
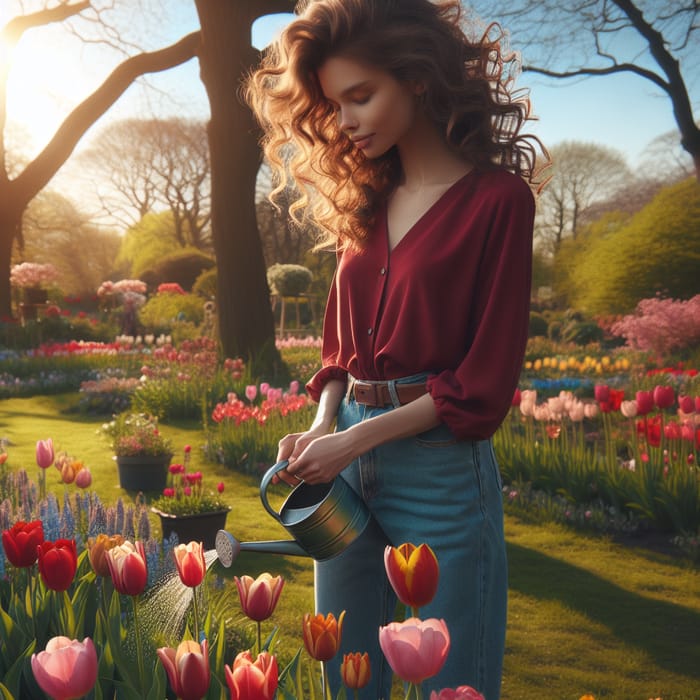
column 346, row 120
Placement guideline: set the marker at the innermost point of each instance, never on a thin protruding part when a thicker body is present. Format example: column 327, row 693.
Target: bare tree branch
column 38, row 173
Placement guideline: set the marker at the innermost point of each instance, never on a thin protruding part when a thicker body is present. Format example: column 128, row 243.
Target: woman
column 402, row 138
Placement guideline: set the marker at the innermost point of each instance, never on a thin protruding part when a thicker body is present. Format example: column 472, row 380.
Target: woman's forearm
column 328, row 403
column 413, row 418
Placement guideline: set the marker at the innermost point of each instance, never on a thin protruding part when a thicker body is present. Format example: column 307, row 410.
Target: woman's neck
column 427, row 161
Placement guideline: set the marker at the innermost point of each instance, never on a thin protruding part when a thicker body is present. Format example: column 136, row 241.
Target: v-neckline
column 415, row 224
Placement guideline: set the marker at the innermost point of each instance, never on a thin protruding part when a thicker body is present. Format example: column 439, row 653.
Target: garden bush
column 538, row 324
column 163, row 310
column 288, row 280
column 182, row 266
column 205, row 284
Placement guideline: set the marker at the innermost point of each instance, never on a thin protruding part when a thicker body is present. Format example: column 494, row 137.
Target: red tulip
column 127, row 567
column 67, row 668
column 664, row 396
column 697, row 404
column 413, row 573
column 189, row 560
column 44, row 453
column 20, row 542
column 686, row 404
column 259, row 597
column 672, row 430
column 645, row 402
column 517, row 398
column 415, row 649
column 3, row 458
column 187, row 668
column 58, row 562
column 464, row 692
column 613, row 402
column 355, row 670
column 252, row 680
column 601, row 392
column 322, row 635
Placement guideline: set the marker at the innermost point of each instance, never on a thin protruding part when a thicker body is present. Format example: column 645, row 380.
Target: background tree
column 16, row 192
column 138, row 166
column 56, row 231
column 582, row 174
column 654, row 39
column 623, row 259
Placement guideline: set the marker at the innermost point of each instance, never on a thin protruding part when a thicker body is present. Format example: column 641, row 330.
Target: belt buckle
column 366, row 393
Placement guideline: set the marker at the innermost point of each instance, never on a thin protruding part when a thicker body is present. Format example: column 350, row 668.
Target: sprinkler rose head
column 227, row 547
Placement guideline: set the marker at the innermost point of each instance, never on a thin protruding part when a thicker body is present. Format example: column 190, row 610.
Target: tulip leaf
column 157, row 689
column 217, row 652
column 82, row 595
column 66, row 616
column 5, row 694
column 13, row 677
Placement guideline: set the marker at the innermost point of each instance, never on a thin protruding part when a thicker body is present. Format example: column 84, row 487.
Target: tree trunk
column 246, row 322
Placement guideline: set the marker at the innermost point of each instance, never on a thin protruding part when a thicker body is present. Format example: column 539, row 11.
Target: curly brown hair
column 468, row 94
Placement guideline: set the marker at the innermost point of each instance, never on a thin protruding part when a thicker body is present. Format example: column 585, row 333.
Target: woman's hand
column 290, row 447
column 320, row 459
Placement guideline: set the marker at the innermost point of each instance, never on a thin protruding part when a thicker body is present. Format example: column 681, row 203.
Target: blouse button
column 369, row 331
column 382, row 271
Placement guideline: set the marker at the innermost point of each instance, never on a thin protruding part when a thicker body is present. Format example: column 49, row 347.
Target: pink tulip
column 187, row 668
column 252, row 680
column 415, row 649
column 577, row 411
column 664, row 396
column 645, row 402
column 463, row 692
column 127, row 568
column 688, row 431
column 264, row 388
column 590, row 410
column 67, row 668
column 294, row 387
column 220, row 487
column 259, row 596
column 189, row 560
column 44, row 453
column 251, row 391
column 628, row 408
column 83, row 479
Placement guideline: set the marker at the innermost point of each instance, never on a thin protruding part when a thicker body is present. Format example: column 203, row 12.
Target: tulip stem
column 195, row 613
column 139, row 651
column 32, row 603
column 324, row 679
column 259, row 637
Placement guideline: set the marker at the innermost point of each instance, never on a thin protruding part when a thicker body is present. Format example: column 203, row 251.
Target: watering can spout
column 228, row 547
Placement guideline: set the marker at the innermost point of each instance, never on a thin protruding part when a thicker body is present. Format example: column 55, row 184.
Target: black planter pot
column 143, row 473
column 199, row 527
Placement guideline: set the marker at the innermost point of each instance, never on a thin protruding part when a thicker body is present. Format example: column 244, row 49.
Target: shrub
column 161, row 312
column 288, row 280
column 183, row 267
column 538, row 324
column 205, row 284
column 582, row 332
column 661, row 325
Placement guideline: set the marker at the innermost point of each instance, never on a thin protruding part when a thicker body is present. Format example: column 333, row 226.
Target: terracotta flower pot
column 143, row 472
column 198, row 527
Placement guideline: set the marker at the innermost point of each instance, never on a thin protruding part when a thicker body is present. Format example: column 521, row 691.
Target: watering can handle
column 265, row 482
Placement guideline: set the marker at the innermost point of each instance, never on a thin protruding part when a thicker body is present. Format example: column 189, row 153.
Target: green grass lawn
column 586, row 615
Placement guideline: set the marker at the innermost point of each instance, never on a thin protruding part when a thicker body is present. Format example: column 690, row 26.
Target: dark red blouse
column 452, row 299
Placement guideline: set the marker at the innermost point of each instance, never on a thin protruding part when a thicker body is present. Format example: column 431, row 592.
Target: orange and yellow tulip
column 413, row 573
column 322, row 635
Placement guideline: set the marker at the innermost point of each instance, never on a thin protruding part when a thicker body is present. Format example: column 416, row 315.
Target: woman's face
column 374, row 109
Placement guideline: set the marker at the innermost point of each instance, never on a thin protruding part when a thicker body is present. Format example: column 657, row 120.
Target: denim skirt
column 426, row 488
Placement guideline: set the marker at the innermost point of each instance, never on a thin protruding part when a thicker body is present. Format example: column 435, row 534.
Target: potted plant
column 189, row 510
column 141, row 451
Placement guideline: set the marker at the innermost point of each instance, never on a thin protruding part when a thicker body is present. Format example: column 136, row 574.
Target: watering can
column 323, row 519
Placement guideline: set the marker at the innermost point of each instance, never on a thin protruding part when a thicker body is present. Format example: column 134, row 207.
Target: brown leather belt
column 377, row 394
